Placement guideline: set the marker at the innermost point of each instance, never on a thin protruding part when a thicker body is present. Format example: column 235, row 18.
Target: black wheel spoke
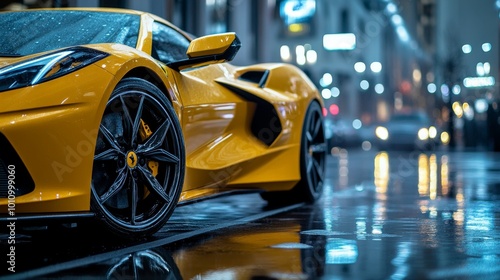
column 136, row 260
column 310, row 164
column 314, row 179
column 156, row 140
column 154, row 184
column 309, row 136
column 162, row 155
column 137, row 121
column 128, row 118
column 109, row 137
column 311, row 122
column 317, row 127
column 133, row 202
column 318, row 169
column 110, row 154
column 116, row 186
column 318, row 148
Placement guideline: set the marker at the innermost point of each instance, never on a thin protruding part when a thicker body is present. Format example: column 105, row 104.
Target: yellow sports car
column 120, row 115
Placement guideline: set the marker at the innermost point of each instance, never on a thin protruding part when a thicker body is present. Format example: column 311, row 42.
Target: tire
column 313, row 151
column 139, row 161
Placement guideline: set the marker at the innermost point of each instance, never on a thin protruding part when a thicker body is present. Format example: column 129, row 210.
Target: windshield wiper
column 9, row 55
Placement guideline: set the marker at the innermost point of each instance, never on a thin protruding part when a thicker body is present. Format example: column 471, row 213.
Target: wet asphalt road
column 396, row 215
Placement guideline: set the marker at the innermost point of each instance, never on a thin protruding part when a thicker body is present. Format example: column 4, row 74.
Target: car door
column 209, row 112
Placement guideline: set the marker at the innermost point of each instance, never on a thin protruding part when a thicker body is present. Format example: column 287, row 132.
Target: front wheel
column 139, row 160
column 312, row 162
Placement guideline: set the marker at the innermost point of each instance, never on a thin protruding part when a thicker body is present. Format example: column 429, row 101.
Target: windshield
column 409, row 118
column 31, row 32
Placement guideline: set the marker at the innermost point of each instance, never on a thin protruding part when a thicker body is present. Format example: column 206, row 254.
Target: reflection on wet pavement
column 147, row 264
column 383, row 215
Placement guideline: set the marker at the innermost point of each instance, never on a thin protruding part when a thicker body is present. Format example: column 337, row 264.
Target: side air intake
column 10, row 161
column 257, row 77
column 266, row 124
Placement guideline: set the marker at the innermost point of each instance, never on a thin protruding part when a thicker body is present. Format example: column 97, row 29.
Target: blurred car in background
column 346, row 133
column 407, row 130
column 343, row 133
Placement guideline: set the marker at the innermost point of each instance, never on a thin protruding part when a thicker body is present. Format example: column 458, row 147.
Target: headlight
column 423, row 134
column 382, row 133
column 445, row 137
column 432, row 132
column 47, row 67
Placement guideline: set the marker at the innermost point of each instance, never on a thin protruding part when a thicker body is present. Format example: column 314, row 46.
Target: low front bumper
column 51, row 129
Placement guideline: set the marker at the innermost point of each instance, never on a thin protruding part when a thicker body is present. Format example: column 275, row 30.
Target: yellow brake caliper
column 145, row 132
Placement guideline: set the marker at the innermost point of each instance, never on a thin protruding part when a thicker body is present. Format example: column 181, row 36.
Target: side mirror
column 209, row 49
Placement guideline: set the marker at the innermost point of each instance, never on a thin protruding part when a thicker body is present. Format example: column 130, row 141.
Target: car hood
column 6, row 61
column 404, row 127
column 9, row 60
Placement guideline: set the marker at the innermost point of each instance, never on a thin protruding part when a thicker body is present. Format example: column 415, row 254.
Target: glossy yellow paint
column 53, row 126
column 258, row 254
column 221, row 152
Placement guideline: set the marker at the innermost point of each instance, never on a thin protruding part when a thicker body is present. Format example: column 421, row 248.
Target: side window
column 168, row 44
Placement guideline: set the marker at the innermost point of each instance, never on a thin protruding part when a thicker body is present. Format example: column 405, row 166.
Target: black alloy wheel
column 313, row 155
column 139, row 161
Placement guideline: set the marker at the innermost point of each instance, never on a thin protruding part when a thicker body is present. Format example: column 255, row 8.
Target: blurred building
column 340, row 45
column 466, row 68
column 369, row 58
